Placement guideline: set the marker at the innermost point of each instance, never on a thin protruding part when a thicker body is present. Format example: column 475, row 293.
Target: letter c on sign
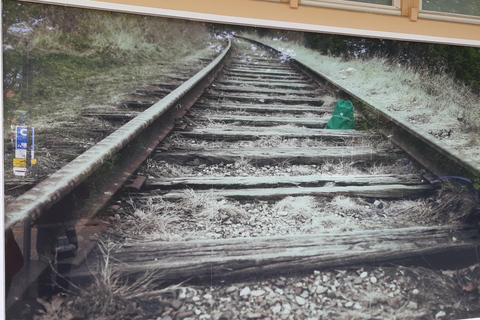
column 23, row 132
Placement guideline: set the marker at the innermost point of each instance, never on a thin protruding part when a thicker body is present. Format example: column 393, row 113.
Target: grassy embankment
column 433, row 101
column 75, row 58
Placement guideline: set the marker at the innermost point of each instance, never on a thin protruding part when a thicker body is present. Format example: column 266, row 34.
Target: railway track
column 247, row 183
column 244, row 121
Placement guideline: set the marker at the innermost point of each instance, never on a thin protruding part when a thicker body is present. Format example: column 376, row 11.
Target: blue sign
column 21, row 135
column 19, row 162
column 21, row 142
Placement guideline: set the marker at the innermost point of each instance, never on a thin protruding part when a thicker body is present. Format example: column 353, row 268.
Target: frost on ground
column 200, row 216
column 434, row 103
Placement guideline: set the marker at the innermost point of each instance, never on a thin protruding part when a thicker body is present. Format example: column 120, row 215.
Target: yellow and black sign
column 23, row 162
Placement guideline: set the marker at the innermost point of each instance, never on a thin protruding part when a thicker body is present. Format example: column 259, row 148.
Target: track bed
column 252, row 189
column 250, row 209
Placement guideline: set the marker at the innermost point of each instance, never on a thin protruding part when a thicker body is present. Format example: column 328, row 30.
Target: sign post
column 24, row 158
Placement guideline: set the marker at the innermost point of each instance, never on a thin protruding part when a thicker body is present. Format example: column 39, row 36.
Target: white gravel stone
column 440, row 314
column 245, row 291
column 300, row 301
column 276, row 308
column 321, row 289
column 252, row 315
column 364, row 274
column 257, row 293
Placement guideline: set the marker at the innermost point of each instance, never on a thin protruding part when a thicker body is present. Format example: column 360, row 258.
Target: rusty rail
column 50, row 191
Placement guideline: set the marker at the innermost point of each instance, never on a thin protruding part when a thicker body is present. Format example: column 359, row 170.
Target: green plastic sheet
column 342, row 117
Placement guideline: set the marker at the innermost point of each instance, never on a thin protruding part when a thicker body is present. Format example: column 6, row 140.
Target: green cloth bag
column 342, row 117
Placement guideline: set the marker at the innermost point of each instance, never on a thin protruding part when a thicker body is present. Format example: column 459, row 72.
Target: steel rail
column 433, row 154
column 61, row 183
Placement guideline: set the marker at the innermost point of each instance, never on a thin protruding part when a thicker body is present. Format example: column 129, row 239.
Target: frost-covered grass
column 433, row 100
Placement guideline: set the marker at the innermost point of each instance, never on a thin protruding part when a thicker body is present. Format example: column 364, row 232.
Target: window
column 468, row 7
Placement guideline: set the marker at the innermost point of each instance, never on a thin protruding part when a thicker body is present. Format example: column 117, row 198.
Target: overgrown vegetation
column 462, row 62
column 57, row 60
column 58, row 57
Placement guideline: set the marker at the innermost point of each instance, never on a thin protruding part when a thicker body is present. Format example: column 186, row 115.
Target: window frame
column 394, row 9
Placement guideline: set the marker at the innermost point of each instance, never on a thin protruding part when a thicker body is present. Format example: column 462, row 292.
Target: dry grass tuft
column 453, row 203
column 329, row 101
column 243, row 163
column 347, row 206
column 194, row 200
column 299, row 208
column 151, row 220
column 111, row 295
column 205, row 207
column 313, row 213
column 403, row 206
column 54, row 309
